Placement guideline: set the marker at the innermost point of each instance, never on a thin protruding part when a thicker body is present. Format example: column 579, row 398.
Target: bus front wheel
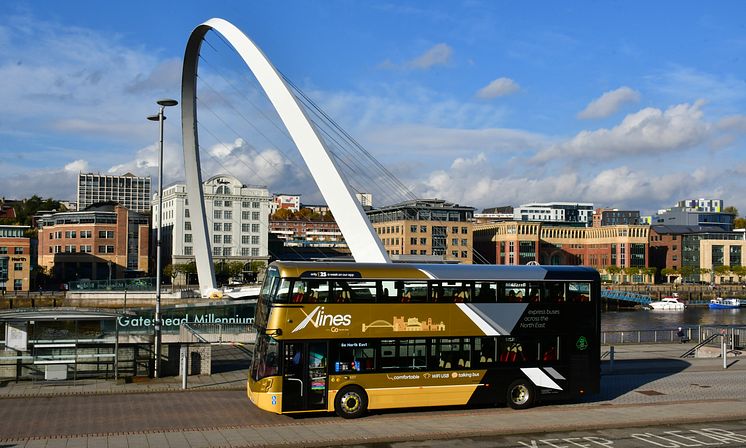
column 351, row 402
column 520, row 394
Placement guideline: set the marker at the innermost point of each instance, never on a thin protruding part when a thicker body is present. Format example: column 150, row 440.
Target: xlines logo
column 318, row 318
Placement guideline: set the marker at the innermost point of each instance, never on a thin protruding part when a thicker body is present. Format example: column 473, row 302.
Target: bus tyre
column 520, row 394
column 351, row 402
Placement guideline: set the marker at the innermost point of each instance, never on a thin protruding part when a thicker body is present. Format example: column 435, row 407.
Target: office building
column 566, row 213
column 696, row 212
column 128, row 190
column 616, row 217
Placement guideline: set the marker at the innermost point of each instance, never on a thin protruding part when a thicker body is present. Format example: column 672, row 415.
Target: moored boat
column 668, row 304
column 724, row 304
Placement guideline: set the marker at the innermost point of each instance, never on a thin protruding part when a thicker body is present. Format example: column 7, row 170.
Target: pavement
column 644, row 385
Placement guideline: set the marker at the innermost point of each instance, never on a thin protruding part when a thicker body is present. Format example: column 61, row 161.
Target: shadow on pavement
column 632, row 375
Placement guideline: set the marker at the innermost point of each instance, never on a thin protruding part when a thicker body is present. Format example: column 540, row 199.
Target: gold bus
column 349, row 337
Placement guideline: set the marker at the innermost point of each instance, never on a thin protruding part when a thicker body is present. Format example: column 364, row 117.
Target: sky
column 630, row 105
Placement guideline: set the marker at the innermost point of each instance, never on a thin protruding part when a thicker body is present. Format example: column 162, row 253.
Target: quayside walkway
column 648, row 384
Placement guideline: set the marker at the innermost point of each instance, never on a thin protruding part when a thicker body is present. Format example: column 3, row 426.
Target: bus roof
column 445, row 272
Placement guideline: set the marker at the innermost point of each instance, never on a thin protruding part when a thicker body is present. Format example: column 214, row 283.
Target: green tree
column 283, row 214
column 669, row 272
column 731, row 209
column 613, row 271
column 739, row 223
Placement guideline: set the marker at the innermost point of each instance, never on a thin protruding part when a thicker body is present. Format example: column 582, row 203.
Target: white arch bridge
column 355, row 226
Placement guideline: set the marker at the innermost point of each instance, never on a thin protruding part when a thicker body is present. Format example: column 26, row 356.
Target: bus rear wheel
column 520, row 394
column 351, row 402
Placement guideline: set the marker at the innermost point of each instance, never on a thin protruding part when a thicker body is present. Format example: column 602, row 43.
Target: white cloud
column 649, row 131
column 439, row 54
column 609, row 103
column 78, row 166
column 499, row 87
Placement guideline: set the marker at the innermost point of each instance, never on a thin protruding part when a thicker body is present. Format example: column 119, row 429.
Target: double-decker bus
column 349, row 337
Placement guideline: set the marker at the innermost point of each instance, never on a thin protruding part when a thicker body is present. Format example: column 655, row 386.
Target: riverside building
column 237, row 221
column 425, row 227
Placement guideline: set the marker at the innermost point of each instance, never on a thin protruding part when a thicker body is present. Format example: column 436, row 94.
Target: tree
column 721, row 271
column 731, row 209
column 739, row 223
column 283, row 214
column 668, row 273
column 613, row 271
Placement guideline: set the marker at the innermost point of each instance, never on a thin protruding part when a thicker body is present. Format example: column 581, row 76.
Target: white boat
column 725, row 304
column 668, row 304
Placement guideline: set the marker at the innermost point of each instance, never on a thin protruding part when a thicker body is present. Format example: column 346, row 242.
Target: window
column 245, row 204
column 217, row 251
column 18, row 250
column 86, row 248
column 355, row 357
column 217, row 214
column 187, row 237
column 454, row 253
column 413, row 228
column 405, row 354
column 70, row 249
column 228, row 227
column 254, row 251
column 454, row 229
column 423, row 229
column 255, row 204
column 254, row 239
column 464, row 230
column 423, row 240
column 187, row 225
column 108, row 234
column 255, row 228
column 245, row 216
column 464, row 254
column 187, row 250
column 244, row 251
column 227, row 239
column 17, row 266
column 217, row 239
column 228, row 214
column 227, row 251
column 217, row 203
column 464, row 242
column 217, row 226
column 186, row 212
column 3, row 250
column 17, row 284
column 228, row 203
column 86, row 234
column 454, row 241
column 70, row 234
column 255, row 216
column 413, row 241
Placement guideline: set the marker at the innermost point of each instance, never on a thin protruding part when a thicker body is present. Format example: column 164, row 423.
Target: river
column 692, row 316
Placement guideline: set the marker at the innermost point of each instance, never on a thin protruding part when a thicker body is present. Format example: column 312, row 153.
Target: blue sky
column 623, row 104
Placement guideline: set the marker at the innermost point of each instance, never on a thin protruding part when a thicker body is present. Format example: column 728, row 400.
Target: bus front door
column 304, row 383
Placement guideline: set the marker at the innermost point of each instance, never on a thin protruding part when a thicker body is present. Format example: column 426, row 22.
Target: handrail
column 694, row 349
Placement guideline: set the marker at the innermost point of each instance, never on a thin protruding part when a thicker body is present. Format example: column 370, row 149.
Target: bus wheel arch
column 521, row 394
column 351, row 402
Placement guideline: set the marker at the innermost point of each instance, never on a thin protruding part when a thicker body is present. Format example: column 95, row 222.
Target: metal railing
column 736, row 335
column 217, row 333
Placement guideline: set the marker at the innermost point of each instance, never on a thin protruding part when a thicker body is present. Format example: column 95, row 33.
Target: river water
column 692, row 316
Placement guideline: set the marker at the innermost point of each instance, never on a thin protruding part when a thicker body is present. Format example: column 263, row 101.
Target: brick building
column 16, row 261
column 104, row 241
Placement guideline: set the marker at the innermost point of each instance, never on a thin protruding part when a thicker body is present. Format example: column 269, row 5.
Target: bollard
column 611, row 358
column 184, row 352
column 725, row 352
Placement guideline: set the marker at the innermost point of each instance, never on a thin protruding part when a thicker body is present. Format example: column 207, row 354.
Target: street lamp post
column 159, row 118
